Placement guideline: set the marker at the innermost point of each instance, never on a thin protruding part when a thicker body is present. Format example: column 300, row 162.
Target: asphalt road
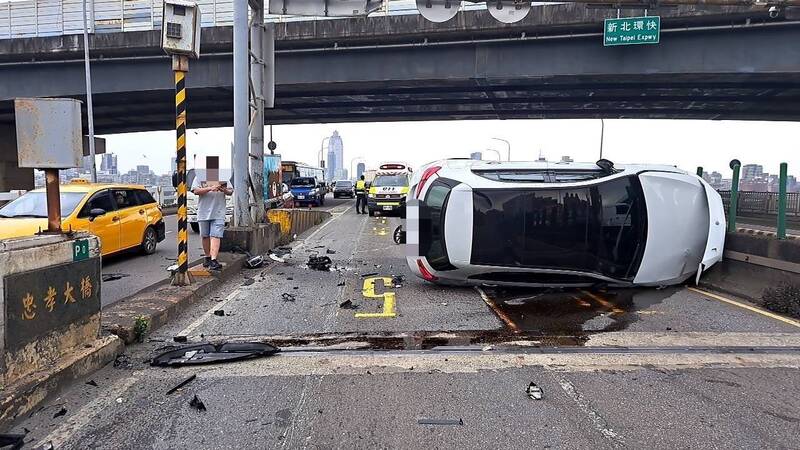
column 638, row 368
column 130, row 272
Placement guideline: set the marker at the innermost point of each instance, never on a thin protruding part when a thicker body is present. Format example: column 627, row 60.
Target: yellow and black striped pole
column 180, row 67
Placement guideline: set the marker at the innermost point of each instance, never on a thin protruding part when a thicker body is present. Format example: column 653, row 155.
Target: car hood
column 301, row 189
column 23, row 226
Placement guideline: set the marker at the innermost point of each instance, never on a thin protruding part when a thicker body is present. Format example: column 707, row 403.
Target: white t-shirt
column 211, row 205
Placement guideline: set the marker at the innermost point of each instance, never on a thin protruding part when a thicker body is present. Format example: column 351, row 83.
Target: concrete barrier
column 752, row 263
column 295, row 221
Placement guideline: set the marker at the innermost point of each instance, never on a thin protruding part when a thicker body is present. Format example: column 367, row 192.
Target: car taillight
column 426, row 274
column 429, row 172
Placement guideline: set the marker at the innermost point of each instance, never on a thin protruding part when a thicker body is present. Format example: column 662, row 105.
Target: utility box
column 180, row 29
column 49, row 134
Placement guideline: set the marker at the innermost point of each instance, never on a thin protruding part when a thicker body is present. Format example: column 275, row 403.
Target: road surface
column 640, row 368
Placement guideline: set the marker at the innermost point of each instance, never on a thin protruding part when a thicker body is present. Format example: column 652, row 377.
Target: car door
column 132, row 217
column 105, row 226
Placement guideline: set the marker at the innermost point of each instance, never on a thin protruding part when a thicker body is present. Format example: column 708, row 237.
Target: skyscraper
column 476, row 155
column 335, row 169
column 108, row 163
column 360, row 168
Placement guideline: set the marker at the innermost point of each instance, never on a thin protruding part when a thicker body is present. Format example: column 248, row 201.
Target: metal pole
column 700, row 171
column 320, row 155
column 508, row 145
column 602, row 135
column 257, row 126
column 53, row 201
column 241, row 120
column 499, row 158
column 269, row 67
column 735, row 165
column 782, row 180
column 89, row 112
column 180, row 65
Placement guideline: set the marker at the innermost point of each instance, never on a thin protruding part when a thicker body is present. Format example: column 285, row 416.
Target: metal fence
column 33, row 18
column 762, row 203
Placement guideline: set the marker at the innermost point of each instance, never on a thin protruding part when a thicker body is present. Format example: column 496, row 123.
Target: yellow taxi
column 123, row 216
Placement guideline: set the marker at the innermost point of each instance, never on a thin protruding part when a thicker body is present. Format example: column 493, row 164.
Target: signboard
column 632, row 31
column 43, row 300
column 80, row 249
column 272, row 177
column 48, row 132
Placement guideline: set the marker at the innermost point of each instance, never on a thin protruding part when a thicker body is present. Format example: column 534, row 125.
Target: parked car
column 307, row 190
column 561, row 224
column 344, row 188
column 123, row 216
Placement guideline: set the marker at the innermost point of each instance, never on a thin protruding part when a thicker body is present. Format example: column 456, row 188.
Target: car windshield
column 303, row 181
column 344, row 184
column 599, row 229
column 34, row 204
column 390, row 180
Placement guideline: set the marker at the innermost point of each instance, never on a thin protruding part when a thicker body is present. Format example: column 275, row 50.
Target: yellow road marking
column 747, row 307
column 497, row 311
column 368, row 291
column 608, row 305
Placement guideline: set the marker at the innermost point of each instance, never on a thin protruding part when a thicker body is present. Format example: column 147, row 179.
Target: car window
column 303, row 181
column 100, row 200
column 599, row 229
column 390, row 180
column 125, row 198
column 144, row 197
column 344, row 184
column 34, row 204
column 432, row 211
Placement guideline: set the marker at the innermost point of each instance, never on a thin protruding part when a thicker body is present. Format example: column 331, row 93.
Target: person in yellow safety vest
column 361, row 196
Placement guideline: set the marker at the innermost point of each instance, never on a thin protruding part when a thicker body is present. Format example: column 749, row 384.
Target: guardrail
column 762, row 202
column 35, row 18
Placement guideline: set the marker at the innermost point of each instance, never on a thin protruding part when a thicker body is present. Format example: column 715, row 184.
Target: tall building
column 335, row 169
column 143, row 170
column 108, row 163
column 567, row 159
column 476, row 156
column 752, row 171
column 173, row 165
column 360, row 168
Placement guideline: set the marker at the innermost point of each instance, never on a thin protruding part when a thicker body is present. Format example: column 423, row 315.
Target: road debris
column 113, row 276
column 92, row 383
column 370, row 274
column 182, row 384
column 287, row 297
column 219, row 312
column 534, row 391
column 123, row 362
column 348, row 304
column 276, row 258
column 211, row 353
column 341, row 283
column 248, row 281
column 60, row 412
column 330, row 252
column 322, row 263
column 397, row 280
column 12, row 441
column 197, row 404
column 180, row 339
column 427, row 421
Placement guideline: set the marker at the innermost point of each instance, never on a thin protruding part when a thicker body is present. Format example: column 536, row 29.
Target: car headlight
column 371, row 195
column 313, row 191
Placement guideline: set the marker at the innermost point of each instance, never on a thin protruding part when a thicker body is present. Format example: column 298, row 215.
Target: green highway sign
column 632, row 31
column 80, row 249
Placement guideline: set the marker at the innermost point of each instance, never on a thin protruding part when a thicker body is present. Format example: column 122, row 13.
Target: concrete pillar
column 257, row 117
column 11, row 176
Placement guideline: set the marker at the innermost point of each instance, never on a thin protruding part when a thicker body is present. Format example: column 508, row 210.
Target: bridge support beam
column 241, row 116
column 12, row 176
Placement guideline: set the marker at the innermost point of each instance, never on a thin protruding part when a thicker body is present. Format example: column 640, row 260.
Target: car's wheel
column 149, row 241
column 195, row 226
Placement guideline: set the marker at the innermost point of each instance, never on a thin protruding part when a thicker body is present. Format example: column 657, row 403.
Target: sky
column 684, row 143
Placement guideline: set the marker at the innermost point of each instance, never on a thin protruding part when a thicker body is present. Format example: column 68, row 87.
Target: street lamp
column 89, row 113
column 322, row 146
column 499, row 158
column 352, row 173
column 508, row 144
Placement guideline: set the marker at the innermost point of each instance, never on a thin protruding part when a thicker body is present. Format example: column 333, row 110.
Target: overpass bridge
column 714, row 63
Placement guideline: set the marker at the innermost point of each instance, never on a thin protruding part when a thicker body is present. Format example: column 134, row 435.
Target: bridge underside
column 746, row 73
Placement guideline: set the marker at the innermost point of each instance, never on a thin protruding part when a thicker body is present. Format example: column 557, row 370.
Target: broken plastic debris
column 12, row 441
column 426, row 421
column 92, row 383
column 219, row 312
column 341, row 283
column 182, row 384
column 248, row 281
column 197, row 403
column 347, row 304
column 277, row 258
column 123, row 361
column 113, row 276
column 319, row 263
column 287, row 297
column 534, row 391
column 212, row 353
column 330, row 252
column 60, row 412
column 180, row 338
column 120, row 399
column 365, row 275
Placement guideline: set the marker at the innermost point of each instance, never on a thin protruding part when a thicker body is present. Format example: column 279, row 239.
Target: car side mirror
column 96, row 212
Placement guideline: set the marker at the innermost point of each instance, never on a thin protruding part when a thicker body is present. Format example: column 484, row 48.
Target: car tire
column 149, row 241
column 194, row 226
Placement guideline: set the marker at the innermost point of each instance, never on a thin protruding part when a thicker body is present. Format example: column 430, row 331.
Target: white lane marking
column 599, row 423
column 192, row 326
column 763, row 312
column 302, row 243
column 86, row 414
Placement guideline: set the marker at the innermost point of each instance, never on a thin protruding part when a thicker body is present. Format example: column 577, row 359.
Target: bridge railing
column 35, row 18
column 762, row 203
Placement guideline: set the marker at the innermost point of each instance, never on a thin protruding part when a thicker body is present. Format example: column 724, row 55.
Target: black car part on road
column 208, row 353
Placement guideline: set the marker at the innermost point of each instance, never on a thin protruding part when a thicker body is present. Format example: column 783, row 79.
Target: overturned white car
column 561, row 224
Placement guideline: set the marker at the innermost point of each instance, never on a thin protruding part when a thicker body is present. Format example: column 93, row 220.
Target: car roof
column 92, row 187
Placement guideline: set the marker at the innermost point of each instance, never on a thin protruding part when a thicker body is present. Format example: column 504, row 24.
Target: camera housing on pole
column 180, row 28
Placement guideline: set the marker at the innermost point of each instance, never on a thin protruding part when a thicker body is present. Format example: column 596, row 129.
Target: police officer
column 361, row 196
